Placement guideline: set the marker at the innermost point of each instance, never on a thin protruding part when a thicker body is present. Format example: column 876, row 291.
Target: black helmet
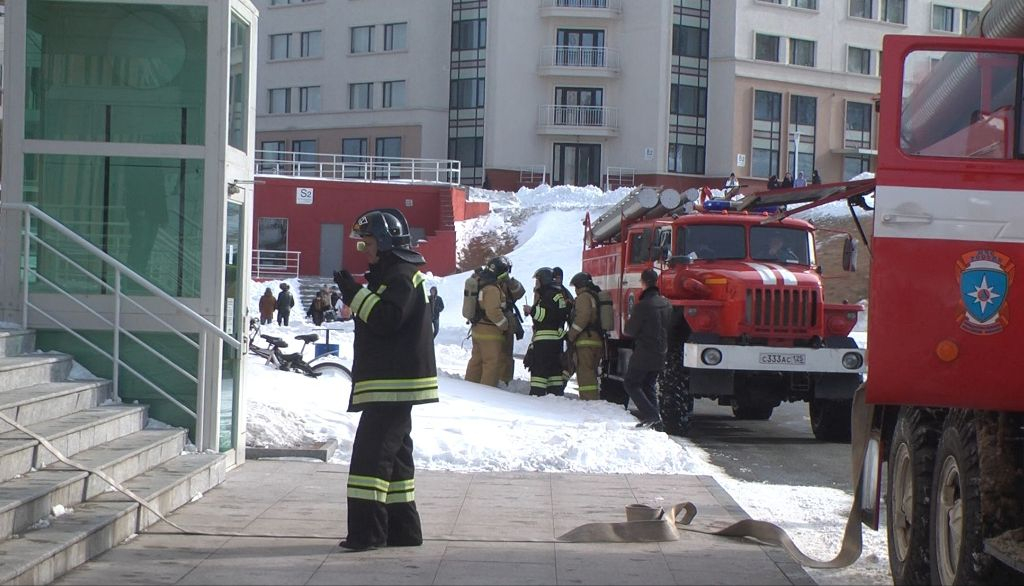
column 557, row 272
column 544, row 276
column 499, row 265
column 387, row 225
column 581, row 280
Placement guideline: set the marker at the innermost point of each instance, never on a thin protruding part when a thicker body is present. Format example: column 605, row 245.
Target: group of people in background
column 788, row 181
column 326, row 305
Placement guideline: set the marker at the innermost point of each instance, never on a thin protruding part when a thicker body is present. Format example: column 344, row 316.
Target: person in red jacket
column 393, row 368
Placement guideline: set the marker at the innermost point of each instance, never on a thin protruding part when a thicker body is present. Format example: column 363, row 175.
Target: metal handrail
column 585, row 57
column 612, row 5
column 204, row 326
column 358, row 168
column 585, row 116
column 288, row 259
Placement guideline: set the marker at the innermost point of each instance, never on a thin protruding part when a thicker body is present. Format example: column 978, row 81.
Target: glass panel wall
column 147, row 213
column 238, row 84
column 115, row 72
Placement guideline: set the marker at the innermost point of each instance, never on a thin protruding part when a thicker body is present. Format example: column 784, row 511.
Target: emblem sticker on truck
column 985, row 277
column 780, row 358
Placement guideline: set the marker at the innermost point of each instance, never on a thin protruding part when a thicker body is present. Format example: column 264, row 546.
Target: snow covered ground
column 477, row 428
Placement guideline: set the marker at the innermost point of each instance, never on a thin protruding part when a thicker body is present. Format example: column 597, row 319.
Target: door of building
column 577, row 164
column 332, row 239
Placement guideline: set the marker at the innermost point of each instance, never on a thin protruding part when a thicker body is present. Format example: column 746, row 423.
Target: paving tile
column 463, row 572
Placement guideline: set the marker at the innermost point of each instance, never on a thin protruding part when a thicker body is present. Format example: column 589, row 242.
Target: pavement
column 479, row 528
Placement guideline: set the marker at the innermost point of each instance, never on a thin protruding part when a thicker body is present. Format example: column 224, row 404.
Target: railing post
column 201, row 422
column 116, row 347
column 27, row 241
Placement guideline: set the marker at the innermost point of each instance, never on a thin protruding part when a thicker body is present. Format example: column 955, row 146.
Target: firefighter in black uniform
column 393, row 369
column 549, row 313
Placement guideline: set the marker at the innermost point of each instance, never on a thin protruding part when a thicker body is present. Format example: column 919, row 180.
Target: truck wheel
column 830, row 420
column 751, row 412
column 911, row 465
column 957, row 545
column 674, row 399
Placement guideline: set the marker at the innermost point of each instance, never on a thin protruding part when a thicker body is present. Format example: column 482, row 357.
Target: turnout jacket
column 584, row 321
column 549, row 314
column 394, row 340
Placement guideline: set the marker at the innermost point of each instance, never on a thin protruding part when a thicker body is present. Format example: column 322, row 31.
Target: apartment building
column 670, row 92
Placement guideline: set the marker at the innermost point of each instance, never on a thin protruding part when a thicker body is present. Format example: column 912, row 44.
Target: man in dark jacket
column 393, row 368
column 648, row 325
column 285, row 303
column 436, row 307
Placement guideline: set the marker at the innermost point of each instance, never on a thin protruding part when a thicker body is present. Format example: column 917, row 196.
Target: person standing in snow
column 586, row 341
column 549, row 314
column 393, row 368
column 436, row 307
column 489, row 330
column 285, row 303
column 267, row 305
column 648, row 325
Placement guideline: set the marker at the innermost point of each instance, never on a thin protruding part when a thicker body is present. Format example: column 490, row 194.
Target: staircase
column 82, row 419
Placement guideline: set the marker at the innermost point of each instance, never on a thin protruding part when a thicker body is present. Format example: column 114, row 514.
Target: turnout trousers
column 588, row 357
column 546, row 376
column 487, row 361
column 381, row 489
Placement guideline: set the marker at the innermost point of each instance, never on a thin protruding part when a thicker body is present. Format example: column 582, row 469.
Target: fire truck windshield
column 711, row 242
column 780, row 245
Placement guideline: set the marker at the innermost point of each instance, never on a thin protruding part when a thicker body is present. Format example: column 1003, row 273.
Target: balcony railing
column 612, row 5
column 595, row 117
column 584, row 57
column 275, row 264
column 358, row 168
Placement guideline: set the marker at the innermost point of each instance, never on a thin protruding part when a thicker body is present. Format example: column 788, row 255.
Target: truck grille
column 782, row 310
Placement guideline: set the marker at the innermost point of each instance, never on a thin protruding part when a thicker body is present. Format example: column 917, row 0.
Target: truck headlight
column 711, row 356
column 852, row 360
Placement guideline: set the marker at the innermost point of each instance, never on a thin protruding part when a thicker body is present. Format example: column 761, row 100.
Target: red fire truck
column 751, row 327
column 945, row 325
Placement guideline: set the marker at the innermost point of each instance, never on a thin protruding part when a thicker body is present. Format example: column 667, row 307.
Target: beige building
column 670, row 92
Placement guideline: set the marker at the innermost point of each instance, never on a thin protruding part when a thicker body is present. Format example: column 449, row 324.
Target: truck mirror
column 849, row 254
column 683, row 259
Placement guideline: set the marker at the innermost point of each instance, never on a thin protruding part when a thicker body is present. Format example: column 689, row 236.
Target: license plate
column 780, row 358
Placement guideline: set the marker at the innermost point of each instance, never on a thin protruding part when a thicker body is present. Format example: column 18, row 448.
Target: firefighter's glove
column 348, row 285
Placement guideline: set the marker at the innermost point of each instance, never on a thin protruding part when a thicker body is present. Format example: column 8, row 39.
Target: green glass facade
column 123, row 73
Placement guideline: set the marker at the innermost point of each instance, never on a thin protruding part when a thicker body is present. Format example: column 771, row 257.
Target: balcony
column 599, row 9
column 578, row 120
column 579, row 61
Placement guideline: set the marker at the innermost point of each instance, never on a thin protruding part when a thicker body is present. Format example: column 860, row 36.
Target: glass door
column 234, row 315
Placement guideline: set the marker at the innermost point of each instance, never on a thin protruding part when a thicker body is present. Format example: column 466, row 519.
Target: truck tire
column 674, row 399
column 741, row 410
column 907, row 496
column 957, row 542
column 830, row 420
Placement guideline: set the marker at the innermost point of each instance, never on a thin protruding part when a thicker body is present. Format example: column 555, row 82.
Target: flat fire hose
column 645, row 523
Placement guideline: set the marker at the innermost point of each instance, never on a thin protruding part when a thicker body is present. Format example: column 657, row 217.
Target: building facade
column 606, row 92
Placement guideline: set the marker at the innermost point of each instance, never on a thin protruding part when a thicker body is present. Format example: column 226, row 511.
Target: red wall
column 341, row 202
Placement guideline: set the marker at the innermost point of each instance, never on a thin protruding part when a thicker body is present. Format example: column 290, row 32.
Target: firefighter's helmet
column 500, row 266
column 545, row 276
column 581, row 280
column 387, row 225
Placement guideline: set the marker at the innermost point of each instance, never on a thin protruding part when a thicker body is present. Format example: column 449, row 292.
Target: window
column 362, row 39
column 943, row 18
column 271, row 145
column 688, row 100
column 388, row 147
column 780, row 245
column 854, row 165
column 766, row 133
column 305, row 156
column 309, row 99
column 640, row 246
column 801, row 52
column 969, row 18
column 466, row 93
column 861, row 9
column 272, row 156
column 766, row 48
column 858, row 125
column 394, row 36
column 469, row 150
column 689, row 41
column 710, row 242
column 469, row 34
column 280, row 101
column 279, row 46
column 310, row 44
column 685, row 158
column 393, row 94
column 858, row 60
column 894, row 11
column 809, row 4
column 353, row 151
column 238, row 85
column 360, row 96
column 803, row 120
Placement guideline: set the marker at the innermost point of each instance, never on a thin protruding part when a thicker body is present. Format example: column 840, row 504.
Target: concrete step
column 15, row 342
column 51, row 549
column 31, row 369
column 32, row 404
column 27, row 499
column 69, row 434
